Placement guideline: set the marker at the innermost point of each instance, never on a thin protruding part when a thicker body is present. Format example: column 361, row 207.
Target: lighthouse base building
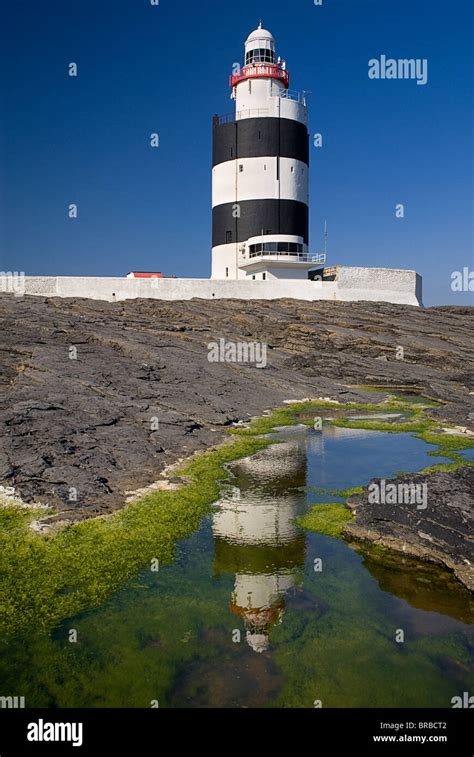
column 340, row 283
column 260, row 211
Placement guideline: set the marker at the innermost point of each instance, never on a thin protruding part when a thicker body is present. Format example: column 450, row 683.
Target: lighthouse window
column 261, row 55
column 228, row 236
column 227, row 273
column 241, row 169
column 292, row 169
column 291, row 248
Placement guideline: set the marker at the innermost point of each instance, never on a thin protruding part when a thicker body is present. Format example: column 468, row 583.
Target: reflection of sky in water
column 264, row 499
column 467, row 454
column 250, row 569
column 339, row 457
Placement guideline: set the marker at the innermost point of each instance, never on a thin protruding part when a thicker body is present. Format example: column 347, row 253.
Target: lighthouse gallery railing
column 228, row 118
column 300, row 257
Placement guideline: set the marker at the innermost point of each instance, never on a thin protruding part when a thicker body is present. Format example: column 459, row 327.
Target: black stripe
column 274, row 216
column 259, row 137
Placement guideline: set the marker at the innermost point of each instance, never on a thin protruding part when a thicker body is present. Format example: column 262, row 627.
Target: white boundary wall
column 352, row 284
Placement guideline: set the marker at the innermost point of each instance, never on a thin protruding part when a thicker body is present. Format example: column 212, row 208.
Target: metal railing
column 292, row 94
column 300, row 257
column 286, row 94
column 229, row 118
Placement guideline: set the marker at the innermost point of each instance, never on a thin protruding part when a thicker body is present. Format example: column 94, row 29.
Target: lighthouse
column 260, row 173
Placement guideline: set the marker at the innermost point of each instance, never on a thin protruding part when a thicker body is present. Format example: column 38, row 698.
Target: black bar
column 141, row 732
column 273, row 216
column 260, row 138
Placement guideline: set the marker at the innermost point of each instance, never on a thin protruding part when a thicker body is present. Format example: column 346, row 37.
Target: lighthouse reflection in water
column 256, row 537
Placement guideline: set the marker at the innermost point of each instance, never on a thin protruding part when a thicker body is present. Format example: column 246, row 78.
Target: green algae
column 283, row 416
column 405, row 394
column 447, row 443
column 447, row 467
column 342, row 650
column 348, row 662
column 339, row 493
column 418, row 425
column 419, row 422
column 45, row 579
column 127, row 653
column 422, row 426
column 346, row 493
column 328, row 519
column 347, row 655
column 294, row 413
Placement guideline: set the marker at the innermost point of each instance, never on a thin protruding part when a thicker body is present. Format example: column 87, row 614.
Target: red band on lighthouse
column 264, row 71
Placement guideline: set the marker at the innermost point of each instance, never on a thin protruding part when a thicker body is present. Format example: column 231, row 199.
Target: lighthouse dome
column 260, row 34
column 260, row 47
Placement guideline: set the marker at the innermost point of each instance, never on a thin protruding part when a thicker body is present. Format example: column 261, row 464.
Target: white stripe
column 258, row 98
column 258, row 180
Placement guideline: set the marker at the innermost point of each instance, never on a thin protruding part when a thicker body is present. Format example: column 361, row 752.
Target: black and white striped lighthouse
column 260, row 173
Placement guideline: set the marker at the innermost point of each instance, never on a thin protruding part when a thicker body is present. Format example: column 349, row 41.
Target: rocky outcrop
column 97, row 398
column 437, row 528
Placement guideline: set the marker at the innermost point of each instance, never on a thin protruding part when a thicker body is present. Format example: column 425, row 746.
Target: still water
column 242, row 619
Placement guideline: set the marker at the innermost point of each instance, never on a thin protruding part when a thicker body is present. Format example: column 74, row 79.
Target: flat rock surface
column 84, row 383
column 437, row 527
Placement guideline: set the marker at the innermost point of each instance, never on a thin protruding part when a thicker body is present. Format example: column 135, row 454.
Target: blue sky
column 164, row 69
